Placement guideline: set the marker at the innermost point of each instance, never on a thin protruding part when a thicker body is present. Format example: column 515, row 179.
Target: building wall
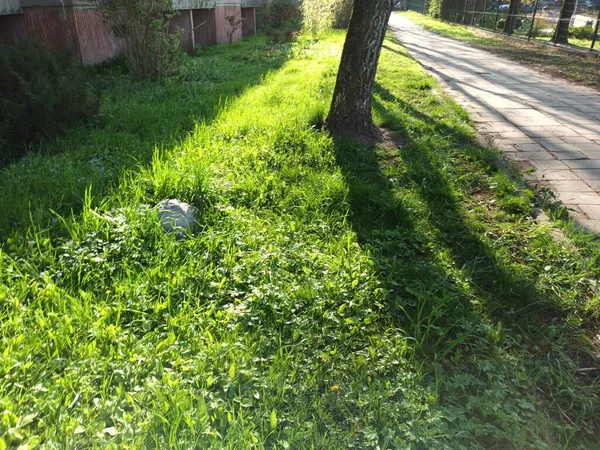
column 183, row 23
column 12, row 29
column 96, row 41
column 205, row 27
column 83, row 29
column 249, row 16
column 54, row 26
column 221, row 18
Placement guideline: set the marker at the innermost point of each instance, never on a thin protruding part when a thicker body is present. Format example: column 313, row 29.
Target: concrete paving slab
column 553, row 164
column 592, row 211
column 556, row 175
column 592, row 226
column 581, row 197
column 583, row 164
column 572, row 186
column 588, row 174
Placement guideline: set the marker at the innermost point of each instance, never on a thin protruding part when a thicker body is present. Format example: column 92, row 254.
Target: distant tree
column 561, row 33
column 350, row 112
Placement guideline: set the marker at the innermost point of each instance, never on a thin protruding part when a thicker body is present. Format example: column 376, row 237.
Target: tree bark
column 350, row 112
column 561, row 34
column 513, row 10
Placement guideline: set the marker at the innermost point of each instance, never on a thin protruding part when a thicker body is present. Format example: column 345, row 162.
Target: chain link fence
column 534, row 20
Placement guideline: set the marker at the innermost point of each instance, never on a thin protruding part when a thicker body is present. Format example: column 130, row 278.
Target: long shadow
column 136, row 118
column 446, row 286
column 418, row 256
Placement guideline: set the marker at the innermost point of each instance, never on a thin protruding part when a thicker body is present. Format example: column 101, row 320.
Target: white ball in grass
column 176, row 216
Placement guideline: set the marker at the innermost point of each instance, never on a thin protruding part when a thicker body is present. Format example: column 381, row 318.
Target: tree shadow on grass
column 447, row 286
column 137, row 119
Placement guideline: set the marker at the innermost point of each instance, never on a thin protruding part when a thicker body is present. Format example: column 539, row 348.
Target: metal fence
column 537, row 20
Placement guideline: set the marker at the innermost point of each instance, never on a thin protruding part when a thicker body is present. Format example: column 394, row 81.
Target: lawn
column 332, row 296
column 580, row 67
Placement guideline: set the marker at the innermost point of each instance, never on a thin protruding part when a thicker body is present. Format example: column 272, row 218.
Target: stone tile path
column 542, row 123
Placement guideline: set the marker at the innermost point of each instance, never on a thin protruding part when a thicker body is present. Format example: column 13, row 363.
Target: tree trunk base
column 375, row 135
column 350, row 113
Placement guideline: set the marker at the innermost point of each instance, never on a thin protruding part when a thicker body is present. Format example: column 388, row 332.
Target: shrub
column 41, row 94
column 283, row 14
column 151, row 51
column 342, row 13
column 281, row 19
column 319, row 15
column 585, row 32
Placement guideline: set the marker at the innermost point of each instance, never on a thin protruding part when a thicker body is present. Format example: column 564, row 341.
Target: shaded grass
column 575, row 66
column 411, row 279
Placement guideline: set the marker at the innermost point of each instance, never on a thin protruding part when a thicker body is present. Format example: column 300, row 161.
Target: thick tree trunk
column 350, row 112
column 561, row 34
column 513, row 10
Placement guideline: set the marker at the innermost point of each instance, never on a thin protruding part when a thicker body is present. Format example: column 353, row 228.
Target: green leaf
column 273, row 419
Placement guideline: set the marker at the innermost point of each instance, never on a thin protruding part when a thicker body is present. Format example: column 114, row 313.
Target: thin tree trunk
column 561, row 34
column 350, row 112
column 513, row 10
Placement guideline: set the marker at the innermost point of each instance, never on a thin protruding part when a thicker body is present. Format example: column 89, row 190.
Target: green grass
column 575, row 66
column 584, row 44
column 413, row 279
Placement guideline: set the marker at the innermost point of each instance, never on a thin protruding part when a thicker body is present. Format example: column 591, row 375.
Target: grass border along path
column 574, row 66
column 332, row 296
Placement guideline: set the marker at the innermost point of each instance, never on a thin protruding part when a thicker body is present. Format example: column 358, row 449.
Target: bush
column 41, row 94
column 282, row 18
column 151, row 51
column 585, row 32
column 342, row 13
column 319, row 15
column 283, row 14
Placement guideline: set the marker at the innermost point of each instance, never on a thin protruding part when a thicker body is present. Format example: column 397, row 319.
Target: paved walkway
column 543, row 123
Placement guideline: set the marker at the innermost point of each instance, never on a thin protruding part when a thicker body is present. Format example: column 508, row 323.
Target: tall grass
column 333, row 296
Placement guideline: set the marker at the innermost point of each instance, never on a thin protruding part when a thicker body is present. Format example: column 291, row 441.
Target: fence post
column 532, row 20
column 464, row 21
column 483, row 14
column 595, row 36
